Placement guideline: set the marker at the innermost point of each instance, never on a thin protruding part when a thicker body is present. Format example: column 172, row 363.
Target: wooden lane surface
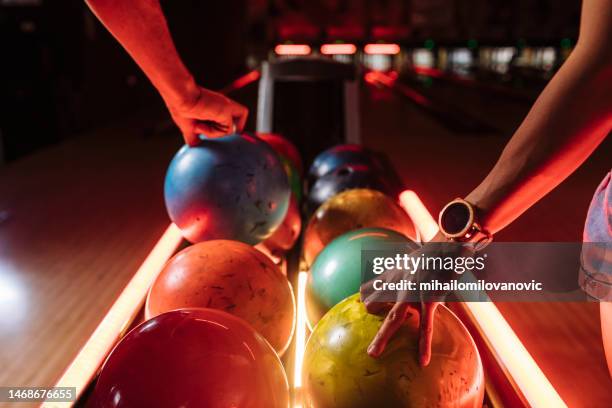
column 82, row 217
column 563, row 338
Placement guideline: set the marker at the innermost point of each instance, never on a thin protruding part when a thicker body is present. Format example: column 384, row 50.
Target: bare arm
column 568, row 121
column 140, row 26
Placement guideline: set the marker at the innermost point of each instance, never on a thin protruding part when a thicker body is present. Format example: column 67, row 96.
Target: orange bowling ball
column 192, row 358
column 229, row 276
column 353, row 209
column 288, row 232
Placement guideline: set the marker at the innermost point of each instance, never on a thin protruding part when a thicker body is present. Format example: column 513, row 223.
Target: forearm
column 141, row 28
column 568, row 121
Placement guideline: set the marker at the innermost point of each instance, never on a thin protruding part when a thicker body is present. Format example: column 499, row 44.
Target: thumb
column 239, row 116
column 191, row 138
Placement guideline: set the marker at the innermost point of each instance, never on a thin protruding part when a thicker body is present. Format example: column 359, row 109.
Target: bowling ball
column 192, row 358
column 295, row 182
column 346, row 178
column 288, row 232
column 338, row 156
column 336, row 272
column 349, row 210
column 339, row 373
column 229, row 276
column 232, row 187
column 284, row 148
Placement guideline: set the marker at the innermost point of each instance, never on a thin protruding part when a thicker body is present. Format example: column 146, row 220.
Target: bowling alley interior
column 189, row 191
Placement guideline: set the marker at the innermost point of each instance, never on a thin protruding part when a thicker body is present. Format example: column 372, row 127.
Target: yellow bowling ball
column 338, row 372
column 353, row 209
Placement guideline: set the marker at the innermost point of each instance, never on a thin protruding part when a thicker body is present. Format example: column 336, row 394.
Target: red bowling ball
column 192, row 358
column 288, row 232
column 283, row 147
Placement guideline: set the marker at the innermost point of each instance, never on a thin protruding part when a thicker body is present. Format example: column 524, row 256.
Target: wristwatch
column 458, row 222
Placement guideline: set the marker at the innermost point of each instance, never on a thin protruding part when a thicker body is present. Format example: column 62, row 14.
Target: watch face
column 455, row 218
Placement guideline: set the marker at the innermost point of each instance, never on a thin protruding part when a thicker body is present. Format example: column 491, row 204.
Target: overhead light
column 338, row 49
column 385, row 49
column 292, row 49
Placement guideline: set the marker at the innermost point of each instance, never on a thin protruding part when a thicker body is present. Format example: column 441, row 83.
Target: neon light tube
column 384, row 49
column 292, row 49
column 121, row 314
column 509, row 350
column 300, row 332
column 338, row 49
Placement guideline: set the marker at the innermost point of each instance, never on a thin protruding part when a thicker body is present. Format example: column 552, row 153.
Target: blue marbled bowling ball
column 234, row 187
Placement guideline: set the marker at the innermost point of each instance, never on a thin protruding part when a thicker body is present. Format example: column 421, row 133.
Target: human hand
column 401, row 308
column 396, row 316
column 209, row 113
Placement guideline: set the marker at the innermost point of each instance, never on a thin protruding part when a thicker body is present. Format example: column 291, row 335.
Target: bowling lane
column 498, row 109
column 76, row 222
column 563, row 338
column 79, row 220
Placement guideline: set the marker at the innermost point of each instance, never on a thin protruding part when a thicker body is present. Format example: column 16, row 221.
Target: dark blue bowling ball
column 338, row 156
column 232, row 187
column 345, row 178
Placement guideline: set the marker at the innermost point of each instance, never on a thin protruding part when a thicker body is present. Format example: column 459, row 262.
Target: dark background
column 62, row 73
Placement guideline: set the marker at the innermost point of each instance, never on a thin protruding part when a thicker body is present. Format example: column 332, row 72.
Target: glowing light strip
column 514, row 357
column 509, row 350
column 338, row 49
column 292, row 49
column 425, row 224
column 389, row 80
column 85, row 365
column 300, row 337
column 432, row 72
column 241, row 82
column 384, row 49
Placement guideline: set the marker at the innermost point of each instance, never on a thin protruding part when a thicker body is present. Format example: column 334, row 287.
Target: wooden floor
column 82, row 216
column 563, row 338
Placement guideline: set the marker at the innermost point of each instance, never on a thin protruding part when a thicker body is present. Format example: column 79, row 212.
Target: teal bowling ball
column 336, row 271
column 234, row 187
